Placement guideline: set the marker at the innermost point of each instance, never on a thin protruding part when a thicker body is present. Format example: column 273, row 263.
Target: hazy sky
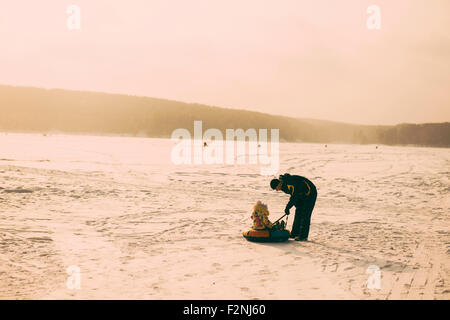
column 308, row 59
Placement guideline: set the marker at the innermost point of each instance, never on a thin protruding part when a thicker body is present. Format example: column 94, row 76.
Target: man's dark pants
column 302, row 220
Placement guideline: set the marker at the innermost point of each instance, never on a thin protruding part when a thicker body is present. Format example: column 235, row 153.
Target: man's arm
column 288, row 180
column 290, row 204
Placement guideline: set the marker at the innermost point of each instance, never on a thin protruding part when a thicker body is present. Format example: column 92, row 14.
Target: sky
column 306, row 59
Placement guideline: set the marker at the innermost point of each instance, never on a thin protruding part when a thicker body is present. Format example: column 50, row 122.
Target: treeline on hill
column 42, row 110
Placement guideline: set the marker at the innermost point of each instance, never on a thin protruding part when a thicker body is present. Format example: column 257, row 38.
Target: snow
column 140, row 227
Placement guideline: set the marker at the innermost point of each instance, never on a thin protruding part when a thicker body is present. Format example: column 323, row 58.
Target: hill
column 42, row 110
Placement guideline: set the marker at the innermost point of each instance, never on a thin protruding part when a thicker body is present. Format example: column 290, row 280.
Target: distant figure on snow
column 260, row 216
column 303, row 196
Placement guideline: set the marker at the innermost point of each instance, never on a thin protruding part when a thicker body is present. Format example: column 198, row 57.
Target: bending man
column 303, row 196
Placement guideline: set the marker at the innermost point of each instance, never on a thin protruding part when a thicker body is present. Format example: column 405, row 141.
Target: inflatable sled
column 266, row 235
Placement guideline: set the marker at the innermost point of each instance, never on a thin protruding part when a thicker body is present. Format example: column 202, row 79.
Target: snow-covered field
column 139, row 227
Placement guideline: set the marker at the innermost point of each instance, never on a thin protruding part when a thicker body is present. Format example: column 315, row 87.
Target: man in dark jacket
column 303, row 196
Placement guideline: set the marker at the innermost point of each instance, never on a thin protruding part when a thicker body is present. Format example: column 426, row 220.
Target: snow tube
column 266, row 235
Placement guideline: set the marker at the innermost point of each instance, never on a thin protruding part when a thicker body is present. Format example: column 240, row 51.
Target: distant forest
column 24, row 109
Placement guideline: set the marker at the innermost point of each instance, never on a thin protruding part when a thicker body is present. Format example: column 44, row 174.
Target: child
column 260, row 217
